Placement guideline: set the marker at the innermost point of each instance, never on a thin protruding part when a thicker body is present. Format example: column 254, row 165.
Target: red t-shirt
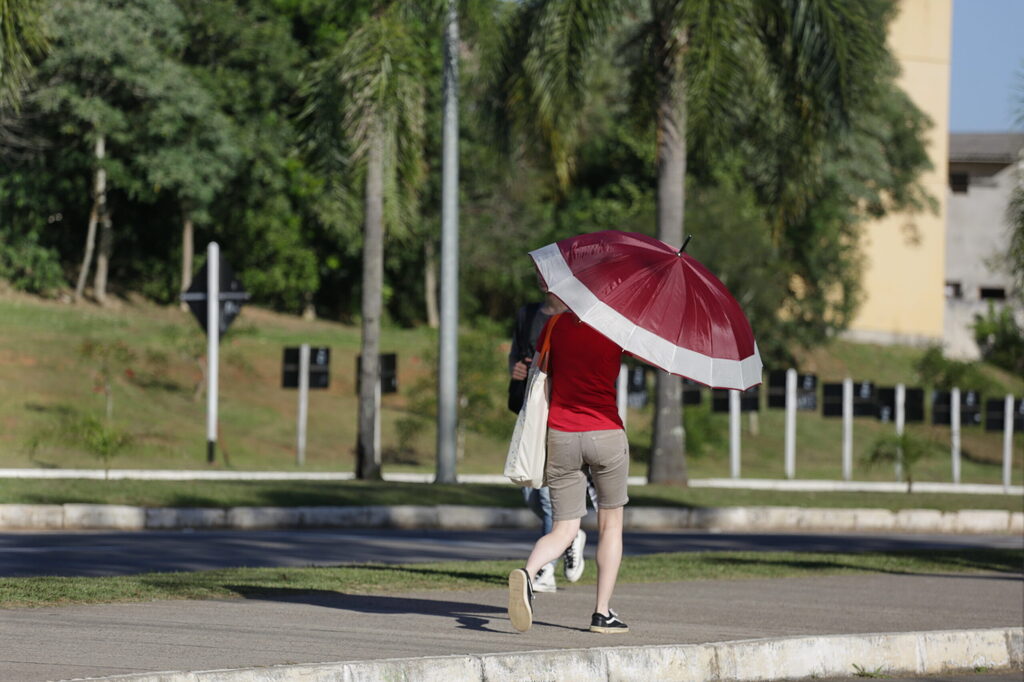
column 583, row 370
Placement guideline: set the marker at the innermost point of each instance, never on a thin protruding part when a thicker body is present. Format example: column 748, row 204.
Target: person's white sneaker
column 544, row 581
column 572, row 568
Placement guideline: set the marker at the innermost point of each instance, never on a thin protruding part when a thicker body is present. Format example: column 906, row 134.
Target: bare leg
column 551, row 546
column 609, row 555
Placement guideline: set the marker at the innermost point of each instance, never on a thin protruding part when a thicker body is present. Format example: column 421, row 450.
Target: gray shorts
column 607, row 453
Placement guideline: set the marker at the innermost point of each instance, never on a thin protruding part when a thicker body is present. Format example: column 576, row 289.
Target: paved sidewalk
column 467, row 626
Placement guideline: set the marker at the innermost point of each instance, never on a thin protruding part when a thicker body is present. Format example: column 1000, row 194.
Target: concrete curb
column 901, row 653
column 796, row 485
column 456, row 517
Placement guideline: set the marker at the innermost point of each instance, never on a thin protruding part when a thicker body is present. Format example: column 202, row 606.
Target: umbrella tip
column 688, row 238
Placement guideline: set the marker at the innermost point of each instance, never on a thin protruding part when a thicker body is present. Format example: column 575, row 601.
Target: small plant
column 96, row 436
column 860, row 671
column 110, row 359
column 904, row 450
column 1000, row 338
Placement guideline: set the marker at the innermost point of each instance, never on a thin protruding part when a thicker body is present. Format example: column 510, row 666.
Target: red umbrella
column 659, row 304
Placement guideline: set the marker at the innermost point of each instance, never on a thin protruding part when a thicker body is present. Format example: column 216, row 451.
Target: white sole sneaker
column 520, row 610
column 573, row 563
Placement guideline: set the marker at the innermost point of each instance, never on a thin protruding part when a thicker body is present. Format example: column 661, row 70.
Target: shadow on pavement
column 468, row 616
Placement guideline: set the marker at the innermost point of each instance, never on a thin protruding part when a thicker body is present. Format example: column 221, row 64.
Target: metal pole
column 212, row 346
column 901, row 404
column 847, row 429
column 448, row 365
column 734, row 434
column 622, row 392
column 954, row 433
column 1007, row 441
column 300, row 451
column 790, row 423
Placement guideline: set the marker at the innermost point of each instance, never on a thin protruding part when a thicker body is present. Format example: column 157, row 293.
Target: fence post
column 622, row 392
column 847, row 429
column 954, row 433
column 1007, row 441
column 790, row 423
column 734, row 434
column 901, row 404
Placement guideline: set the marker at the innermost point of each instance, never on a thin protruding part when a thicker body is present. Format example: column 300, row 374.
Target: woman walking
column 584, row 429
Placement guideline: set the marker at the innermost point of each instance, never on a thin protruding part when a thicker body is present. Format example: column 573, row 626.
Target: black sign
column 832, row 400
column 231, row 297
column 749, row 399
column 806, row 390
column 913, row 404
column 970, row 408
column 388, row 372
column 995, row 414
column 636, row 387
column 865, row 399
column 319, row 368
column 691, row 392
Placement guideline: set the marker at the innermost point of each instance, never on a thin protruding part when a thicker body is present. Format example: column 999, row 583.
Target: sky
column 987, row 80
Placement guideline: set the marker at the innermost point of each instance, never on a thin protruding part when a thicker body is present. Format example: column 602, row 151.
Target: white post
column 954, row 433
column 901, row 405
column 734, row 434
column 377, row 421
column 847, row 429
column 212, row 346
column 1007, row 441
column 622, row 392
column 790, row 423
column 300, row 451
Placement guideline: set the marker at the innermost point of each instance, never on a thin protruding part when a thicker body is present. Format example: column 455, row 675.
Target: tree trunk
column 99, row 283
column 187, row 254
column 668, row 447
column 430, row 283
column 99, row 193
column 368, row 449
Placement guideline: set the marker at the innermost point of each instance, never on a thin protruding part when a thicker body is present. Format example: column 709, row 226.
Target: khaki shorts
column 607, row 454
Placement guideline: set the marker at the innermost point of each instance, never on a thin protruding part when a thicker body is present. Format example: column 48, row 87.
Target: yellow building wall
column 904, row 254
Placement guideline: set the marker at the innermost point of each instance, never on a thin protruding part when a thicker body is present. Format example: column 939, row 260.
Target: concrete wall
column 905, row 254
column 977, row 234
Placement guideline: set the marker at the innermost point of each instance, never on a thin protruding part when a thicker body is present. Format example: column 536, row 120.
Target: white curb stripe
column 900, row 653
column 715, row 372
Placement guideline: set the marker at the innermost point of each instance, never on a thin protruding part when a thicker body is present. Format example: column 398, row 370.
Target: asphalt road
column 121, row 553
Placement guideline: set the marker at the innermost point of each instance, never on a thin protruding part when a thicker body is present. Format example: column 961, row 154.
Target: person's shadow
column 469, row 616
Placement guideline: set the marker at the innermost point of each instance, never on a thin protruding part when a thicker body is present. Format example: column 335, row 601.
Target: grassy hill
column 52, row 399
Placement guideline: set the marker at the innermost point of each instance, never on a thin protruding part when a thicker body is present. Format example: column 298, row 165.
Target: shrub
column 1000, row 338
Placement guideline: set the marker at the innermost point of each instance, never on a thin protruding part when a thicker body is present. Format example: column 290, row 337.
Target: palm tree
column 692, row 64
column 21, row 37
column 365, row 119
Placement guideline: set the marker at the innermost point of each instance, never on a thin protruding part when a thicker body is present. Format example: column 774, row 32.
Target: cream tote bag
column 527, row 453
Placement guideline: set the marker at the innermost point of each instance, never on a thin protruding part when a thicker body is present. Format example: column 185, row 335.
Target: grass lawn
column 344, row 493
column 381, row 579
column 48, row 384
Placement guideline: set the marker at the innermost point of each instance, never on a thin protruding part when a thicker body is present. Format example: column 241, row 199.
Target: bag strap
column 544, row 350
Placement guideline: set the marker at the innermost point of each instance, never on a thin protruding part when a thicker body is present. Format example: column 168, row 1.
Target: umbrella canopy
column 660, row 305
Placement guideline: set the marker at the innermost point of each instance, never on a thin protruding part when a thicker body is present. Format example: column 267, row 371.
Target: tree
column 692, row 65
column 109, row 65
column 365, row 118
column 21, row 38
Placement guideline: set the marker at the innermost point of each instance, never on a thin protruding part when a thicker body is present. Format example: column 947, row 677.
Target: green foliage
column 939, row 372
column 905, row 450
column 21, row 37
column 482, row 387
column 1000, row 338
column 98, row 437
column 109, row 359
column 29, row 266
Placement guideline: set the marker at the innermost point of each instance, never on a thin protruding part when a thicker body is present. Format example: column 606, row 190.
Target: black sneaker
column 608, row 625
column 520, row 600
